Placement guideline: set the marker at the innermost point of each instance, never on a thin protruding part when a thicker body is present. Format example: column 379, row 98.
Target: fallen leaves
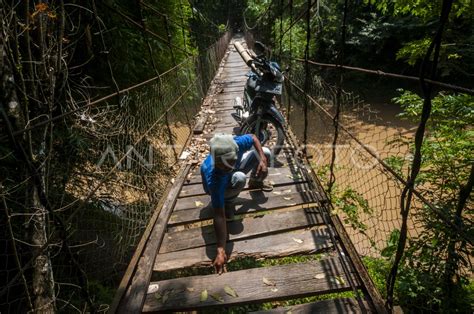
column 340, row 280
column 153, row 288
column 320, row 276
column 337, row 280
column 230, row 291
column 198, row 203
column 203, row 295
column 162, row 297
column 268, row 282
column 298, row 240
column 217, row 297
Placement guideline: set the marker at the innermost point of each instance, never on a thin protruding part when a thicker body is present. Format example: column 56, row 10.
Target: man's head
column 224, row 151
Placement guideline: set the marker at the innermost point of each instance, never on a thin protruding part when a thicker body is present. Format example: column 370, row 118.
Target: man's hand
column 262, row 167
column 219, row 261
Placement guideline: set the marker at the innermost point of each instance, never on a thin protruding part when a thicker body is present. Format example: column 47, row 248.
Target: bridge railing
column 392, row 174
column 112, row 159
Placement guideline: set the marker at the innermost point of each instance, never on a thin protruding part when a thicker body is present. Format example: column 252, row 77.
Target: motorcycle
column 256, row 112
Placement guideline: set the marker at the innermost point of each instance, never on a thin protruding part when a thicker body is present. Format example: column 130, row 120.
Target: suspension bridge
column 293, row 219
column 109, row 188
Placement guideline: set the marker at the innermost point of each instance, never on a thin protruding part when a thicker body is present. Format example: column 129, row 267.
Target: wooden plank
column 278, row 245
column 200, row 123
column 287, row 281
column 274, row 174
column 242, row 229
column 132, row 301
column 259, row 202
column 257, row 196
column 283, row 180
column 345, row 305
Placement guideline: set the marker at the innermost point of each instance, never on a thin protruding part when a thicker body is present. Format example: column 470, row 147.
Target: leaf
column 165, row 296
column 287, row 191
column 320, row 276
column 153, row 288
column 198, row 203
column 217, row 297
column 162, row 298
column 340, row 280
column 268, row 282
column 274, row 289
column 157, row 296
column 230, row 291
column 298, row 240
column 276, row 192
column 190, row 289
column 204, row 295
column 288, row 198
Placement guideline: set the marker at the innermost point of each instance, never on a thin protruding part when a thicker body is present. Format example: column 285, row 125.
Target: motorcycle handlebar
column 243, row 53
column 247, row 57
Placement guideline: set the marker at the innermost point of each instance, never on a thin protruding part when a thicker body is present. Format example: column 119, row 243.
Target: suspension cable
column 389, row 74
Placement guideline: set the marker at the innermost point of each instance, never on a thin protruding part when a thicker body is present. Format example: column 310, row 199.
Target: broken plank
column 276, row 245
column 243, row 228
column 286, row 282
column 343, row 305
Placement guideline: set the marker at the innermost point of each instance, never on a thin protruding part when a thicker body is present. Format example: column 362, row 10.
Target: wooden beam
column 242, row 229
column 189, row 203
column 250, row 286
column 283, row 181
column 288, row 171
column 255, row 201
column 345, row 305
column 132, row 301
column 301, row 241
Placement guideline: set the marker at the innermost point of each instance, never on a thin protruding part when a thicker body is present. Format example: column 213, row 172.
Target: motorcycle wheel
column 271, row 132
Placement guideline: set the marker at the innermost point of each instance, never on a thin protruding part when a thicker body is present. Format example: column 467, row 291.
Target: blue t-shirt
column 214, row 180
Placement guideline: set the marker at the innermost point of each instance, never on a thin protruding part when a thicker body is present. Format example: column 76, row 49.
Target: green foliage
column 446, row 161
column 426, row 9
column 298, row 38
column 448, row 147
column 396, row 163
column 352, row 203
column 392, row 244
column 378, row 268
column 414, row 50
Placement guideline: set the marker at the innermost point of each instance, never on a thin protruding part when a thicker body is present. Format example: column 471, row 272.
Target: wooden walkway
column 290, row 220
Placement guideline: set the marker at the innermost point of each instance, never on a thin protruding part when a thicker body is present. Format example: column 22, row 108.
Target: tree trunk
column 43, row 281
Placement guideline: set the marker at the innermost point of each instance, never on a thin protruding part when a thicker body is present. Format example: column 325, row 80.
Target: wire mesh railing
column 367, row 154
column 108, row 164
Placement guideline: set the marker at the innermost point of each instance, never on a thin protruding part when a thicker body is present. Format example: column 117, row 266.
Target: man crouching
column 224, row 176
